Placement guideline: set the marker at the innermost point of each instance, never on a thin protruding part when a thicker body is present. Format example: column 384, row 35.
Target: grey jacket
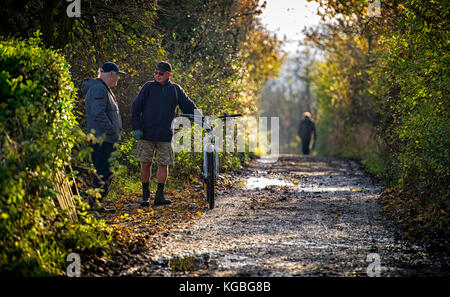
column 102, row 110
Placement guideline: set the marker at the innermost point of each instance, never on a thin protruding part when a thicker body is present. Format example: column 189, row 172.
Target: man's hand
column 137, row 134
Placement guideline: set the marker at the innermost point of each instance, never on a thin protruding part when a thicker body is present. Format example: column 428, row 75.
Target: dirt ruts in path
column 299, row 216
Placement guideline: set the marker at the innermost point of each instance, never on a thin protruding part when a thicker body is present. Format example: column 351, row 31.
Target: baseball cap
column 164, row 66
column 110, row 66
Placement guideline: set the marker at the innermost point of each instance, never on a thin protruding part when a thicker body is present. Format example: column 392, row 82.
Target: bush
column 37, row 133
column 413, row 89
column 396, row 82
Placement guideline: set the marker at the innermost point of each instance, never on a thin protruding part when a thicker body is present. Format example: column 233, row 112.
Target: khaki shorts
column 146, row 150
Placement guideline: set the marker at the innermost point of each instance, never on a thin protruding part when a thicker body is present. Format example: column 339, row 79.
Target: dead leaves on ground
column 135, row 225
column 417, row 219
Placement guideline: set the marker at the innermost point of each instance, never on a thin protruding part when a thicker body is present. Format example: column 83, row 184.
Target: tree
column 288, row 97
column 390, row 73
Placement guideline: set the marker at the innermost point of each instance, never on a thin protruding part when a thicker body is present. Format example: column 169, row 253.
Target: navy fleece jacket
column 153, row 110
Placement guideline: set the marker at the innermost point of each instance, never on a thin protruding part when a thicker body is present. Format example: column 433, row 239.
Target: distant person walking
column 103, row 117
column 152, row 113
column 305, row 130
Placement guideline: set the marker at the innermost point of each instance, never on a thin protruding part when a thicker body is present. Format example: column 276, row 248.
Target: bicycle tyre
column 211, row 179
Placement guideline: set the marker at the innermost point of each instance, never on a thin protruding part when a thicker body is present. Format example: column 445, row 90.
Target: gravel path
column 299, row 216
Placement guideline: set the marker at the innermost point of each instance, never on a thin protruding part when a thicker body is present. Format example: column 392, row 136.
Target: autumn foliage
column 220, row 54
column 383, row 91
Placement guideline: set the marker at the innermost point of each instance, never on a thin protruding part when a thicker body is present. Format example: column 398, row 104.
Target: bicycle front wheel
column 211, row 181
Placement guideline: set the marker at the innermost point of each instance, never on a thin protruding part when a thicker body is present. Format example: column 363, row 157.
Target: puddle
column 208, row 261
column 262, row 182
column 267, row 159
column 193, row 263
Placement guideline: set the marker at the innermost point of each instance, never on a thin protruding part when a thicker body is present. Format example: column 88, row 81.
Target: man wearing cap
column 103, row 119
column 152, row 113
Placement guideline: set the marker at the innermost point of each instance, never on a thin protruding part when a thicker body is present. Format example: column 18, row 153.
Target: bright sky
column 289, row 17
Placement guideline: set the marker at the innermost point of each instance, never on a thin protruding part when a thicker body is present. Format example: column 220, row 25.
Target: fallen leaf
column 357, row 190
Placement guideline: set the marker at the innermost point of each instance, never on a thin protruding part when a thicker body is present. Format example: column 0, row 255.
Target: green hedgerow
column 37, row 133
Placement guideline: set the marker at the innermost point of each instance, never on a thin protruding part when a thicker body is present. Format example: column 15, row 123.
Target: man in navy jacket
column 152, row 113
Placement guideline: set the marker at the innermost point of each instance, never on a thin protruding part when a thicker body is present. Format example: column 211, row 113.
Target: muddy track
column 299, row 216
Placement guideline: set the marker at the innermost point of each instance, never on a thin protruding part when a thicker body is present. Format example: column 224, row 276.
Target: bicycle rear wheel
column 210, row 183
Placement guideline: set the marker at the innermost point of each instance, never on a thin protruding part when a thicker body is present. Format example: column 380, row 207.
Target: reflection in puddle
column 193, row 263
column 262, row 182
column 267, row 159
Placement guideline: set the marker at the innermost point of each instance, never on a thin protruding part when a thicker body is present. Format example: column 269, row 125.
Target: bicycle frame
column 209, row 175
column 209, row 146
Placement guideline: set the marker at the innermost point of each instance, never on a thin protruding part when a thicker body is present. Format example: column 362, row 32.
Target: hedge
column 37, row 133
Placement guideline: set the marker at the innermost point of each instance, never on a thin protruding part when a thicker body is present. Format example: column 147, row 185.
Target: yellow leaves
column 357, row 190
column 137, row 224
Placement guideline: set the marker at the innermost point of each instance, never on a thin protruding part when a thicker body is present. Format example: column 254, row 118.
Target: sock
column 160, row 187
column 145, row 190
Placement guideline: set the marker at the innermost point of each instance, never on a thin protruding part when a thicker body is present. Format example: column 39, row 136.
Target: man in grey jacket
column 103, row 119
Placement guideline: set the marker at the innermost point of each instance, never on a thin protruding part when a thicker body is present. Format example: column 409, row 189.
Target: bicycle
column 210, row 155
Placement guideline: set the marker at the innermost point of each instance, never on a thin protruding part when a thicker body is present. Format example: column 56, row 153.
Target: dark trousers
column 100, row 157
column 305, row 145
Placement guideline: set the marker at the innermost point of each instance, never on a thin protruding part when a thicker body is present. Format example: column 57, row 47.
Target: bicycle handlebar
column 230, row 116
column 191, row 116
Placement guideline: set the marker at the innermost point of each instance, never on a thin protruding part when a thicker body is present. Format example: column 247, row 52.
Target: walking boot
column 160, row 199
column 145, row 196
column 145, row 202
